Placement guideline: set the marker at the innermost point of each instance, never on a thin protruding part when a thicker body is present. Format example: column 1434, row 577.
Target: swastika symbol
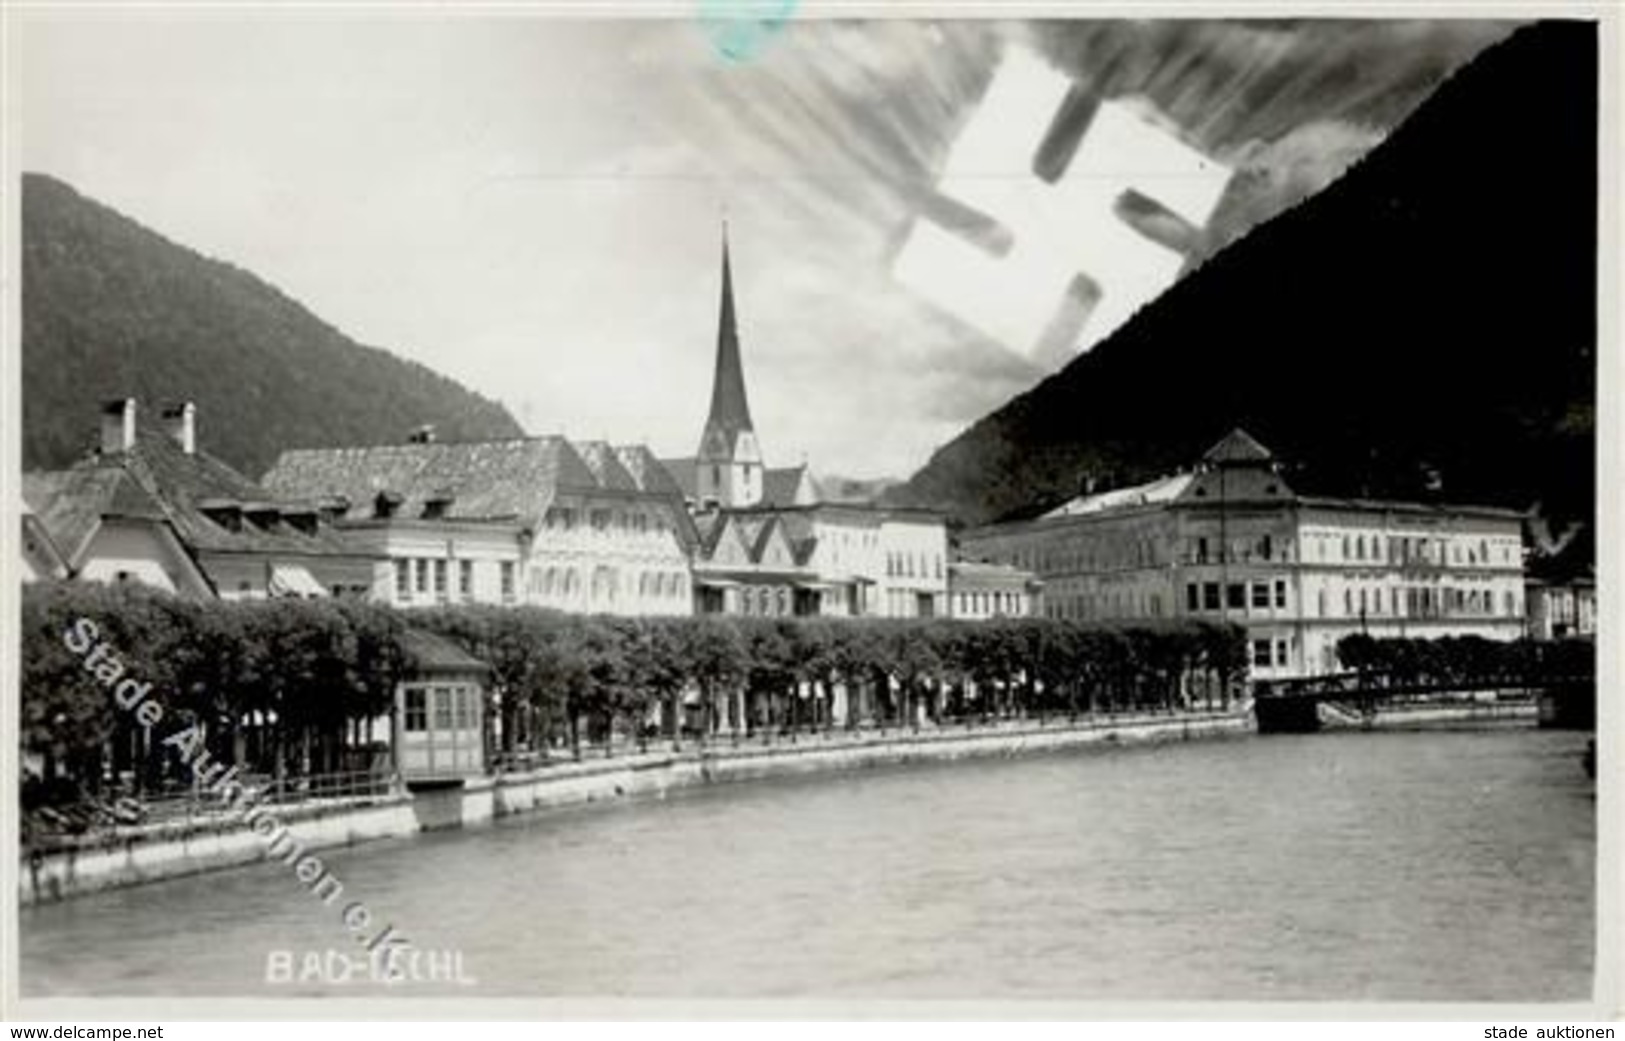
column 1056, row 267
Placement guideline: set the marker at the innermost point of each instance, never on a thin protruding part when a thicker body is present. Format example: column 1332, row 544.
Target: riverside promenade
column 132, row 855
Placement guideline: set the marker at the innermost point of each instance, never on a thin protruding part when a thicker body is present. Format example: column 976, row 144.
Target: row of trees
column 1466, row 661
column 297, row 686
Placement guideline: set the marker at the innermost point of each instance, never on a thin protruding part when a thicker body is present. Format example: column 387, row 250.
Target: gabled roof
column 514, row 479
column 38, row 541
column 789, row 486
column 155, row 480
column 683, row 474
column 651, row 474
column 751, row 534
column 606, row 466
column 1238, row 446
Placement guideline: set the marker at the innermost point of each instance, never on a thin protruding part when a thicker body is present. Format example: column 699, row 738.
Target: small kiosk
column 439, row 727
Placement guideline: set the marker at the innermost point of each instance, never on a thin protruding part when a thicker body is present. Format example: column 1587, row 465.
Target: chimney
column 118, row 425
column 180, row 423
column 423, row 435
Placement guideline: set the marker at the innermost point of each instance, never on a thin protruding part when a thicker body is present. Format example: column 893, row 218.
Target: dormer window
column 385, row 505
column 226, row 513
column 333, row 508
column 437, row 505
column 303, row 521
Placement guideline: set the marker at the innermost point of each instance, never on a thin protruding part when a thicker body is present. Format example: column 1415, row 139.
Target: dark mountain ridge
column 1423, row 328
column 113, row 310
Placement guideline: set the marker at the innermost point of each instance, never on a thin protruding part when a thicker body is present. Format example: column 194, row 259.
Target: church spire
column 730, row 412
column 729, row 463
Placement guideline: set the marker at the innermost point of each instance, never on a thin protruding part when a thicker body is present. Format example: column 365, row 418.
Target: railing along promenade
column 117, row 817
column 762, row 740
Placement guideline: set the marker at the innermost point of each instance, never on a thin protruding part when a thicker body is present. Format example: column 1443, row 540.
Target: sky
column 533, row 206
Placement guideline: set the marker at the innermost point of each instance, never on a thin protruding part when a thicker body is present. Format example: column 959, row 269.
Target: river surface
column 1395, row 866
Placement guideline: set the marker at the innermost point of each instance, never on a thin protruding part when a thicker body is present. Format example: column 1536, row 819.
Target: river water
column 1395, row 866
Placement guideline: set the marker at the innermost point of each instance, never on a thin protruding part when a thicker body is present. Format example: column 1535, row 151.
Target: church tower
column 729, row 462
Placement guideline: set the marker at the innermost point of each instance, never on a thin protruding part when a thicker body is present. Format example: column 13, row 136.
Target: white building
column 1232, row 542
column 581, row 527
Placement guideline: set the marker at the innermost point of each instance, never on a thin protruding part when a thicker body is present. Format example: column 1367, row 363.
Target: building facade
column 1232, row 542
column 978, row 592
column 581, row 527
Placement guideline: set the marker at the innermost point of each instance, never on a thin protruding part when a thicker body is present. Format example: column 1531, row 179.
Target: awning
column 717, row 583
column 292, row 580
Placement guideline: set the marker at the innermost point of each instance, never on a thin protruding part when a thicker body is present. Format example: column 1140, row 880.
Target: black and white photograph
column 748, row 506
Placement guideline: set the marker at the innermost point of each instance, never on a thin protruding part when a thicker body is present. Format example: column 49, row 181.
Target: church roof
column 730, row 411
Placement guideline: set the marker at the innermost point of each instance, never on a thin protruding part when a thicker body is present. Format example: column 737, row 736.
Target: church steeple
column 729, row 408
column 730, row 464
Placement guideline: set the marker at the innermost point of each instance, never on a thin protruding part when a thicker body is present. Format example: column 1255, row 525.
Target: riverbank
column 135, row 856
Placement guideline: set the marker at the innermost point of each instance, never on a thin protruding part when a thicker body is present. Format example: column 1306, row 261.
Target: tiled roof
column 606, row 466
column 683, row 474
column 651, row 474
column 780, row 485
column 430, row 652
column 488, row 480
column 155, row 480
column 71, row 503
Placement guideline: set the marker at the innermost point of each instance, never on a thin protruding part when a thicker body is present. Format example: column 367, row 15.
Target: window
column 1347, row 548
column 1265, row 547
column 1261, row 594
column 440, row 579
column 507, row 580
column 403, row 580
column 442, row 707
column 1201, row 550
column 417, row 718
column 422, row 565
column 465, row 578
column 1210, row 596
column 1280, row 593
column 1348, row 601
column 1281, row 649
column 1192, row 598
column 1261, row 653
column 1235, row 596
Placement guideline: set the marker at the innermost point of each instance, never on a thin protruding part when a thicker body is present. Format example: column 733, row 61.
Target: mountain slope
column 1431, row 313
column 111, row 310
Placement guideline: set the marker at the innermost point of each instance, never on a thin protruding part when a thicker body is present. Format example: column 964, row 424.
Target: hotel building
column 1231, row 541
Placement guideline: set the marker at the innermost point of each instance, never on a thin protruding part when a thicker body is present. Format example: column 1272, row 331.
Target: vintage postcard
column 746, row 509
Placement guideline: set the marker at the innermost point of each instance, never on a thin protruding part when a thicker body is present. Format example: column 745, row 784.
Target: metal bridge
column 1295, row 705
